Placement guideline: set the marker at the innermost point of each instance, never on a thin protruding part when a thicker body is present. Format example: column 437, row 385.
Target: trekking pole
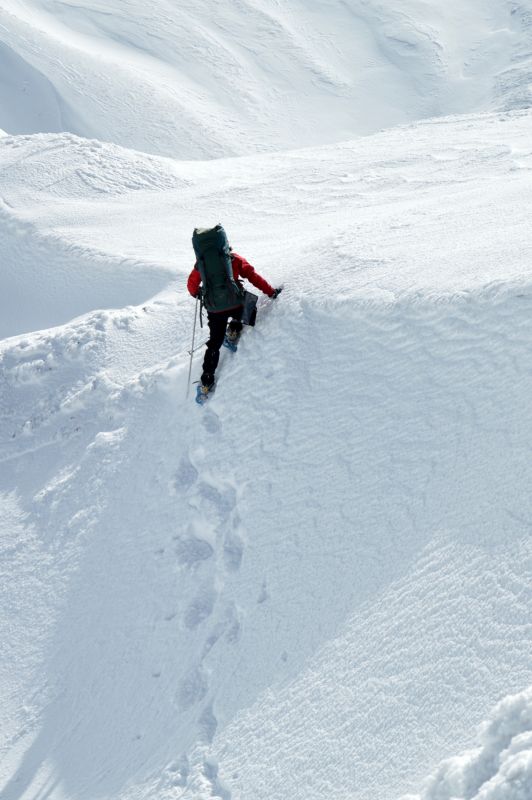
column 192, row 347
column 198, row 347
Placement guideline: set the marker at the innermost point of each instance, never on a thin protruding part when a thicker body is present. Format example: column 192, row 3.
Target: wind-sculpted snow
column 398, row 516
column 361, row 567
column 318, row 584
column 204, row 79
column 47, row 277
column 87, row 225
column 500, row 769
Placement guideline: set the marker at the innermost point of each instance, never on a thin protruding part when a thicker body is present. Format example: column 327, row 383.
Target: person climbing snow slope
column 216, row 280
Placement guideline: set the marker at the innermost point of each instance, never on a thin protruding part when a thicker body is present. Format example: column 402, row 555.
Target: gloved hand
column 276, row 292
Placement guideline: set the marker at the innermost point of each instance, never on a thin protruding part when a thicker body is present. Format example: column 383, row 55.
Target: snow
column 203, row 80
column 54, row 277
column 317, row 585
column 58, row 192
column 500, row 767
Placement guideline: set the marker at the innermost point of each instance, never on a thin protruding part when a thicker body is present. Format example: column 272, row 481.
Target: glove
column 276, row 292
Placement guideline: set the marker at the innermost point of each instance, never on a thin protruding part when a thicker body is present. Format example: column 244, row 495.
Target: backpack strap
column 200, row 266
column 200, row 263
column 227, row 262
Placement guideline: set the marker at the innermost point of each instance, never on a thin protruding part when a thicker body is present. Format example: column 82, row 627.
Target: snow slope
column 319, row 584
column 50, row 277
column 203, row 79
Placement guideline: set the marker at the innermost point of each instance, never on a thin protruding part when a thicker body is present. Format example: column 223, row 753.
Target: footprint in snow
column 219, row 503
column 211, row 422
column 192, row 551
column 233, row 551
column 185, row 476
column 192, row 689
column 199, row 609
column 207, row 724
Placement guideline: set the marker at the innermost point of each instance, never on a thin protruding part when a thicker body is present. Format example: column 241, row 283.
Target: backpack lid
column 205, row 239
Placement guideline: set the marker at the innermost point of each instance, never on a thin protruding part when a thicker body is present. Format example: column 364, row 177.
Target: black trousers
column 217, row 326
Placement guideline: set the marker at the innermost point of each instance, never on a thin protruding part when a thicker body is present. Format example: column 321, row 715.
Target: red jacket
column 241, row 269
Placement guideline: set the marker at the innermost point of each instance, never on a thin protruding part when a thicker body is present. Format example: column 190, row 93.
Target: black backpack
column 220, row 291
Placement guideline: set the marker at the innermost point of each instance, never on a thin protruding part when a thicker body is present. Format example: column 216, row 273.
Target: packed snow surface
column 319, row 584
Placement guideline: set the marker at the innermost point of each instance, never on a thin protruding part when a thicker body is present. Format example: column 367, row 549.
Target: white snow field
column 319, row 585
column 205, row 79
